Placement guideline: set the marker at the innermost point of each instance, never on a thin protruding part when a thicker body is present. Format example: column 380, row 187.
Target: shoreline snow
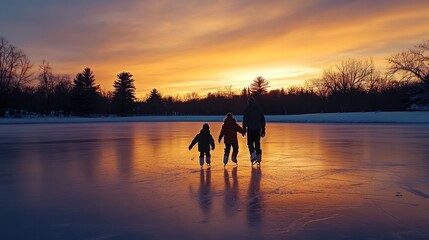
column 354, row 117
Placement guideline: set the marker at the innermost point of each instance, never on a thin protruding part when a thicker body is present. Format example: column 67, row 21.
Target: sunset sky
column 201, row 46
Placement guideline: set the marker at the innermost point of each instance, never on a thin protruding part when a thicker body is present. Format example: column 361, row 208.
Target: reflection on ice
column 139, row 181
column 204, row 194
column 254, row 207
column 231, row 194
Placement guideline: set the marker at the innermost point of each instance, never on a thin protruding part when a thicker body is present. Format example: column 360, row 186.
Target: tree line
column 352, row 85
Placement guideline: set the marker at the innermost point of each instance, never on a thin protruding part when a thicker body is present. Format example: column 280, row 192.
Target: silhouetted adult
column 254, row 124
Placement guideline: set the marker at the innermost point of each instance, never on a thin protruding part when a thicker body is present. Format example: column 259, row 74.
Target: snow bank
column 357, row 117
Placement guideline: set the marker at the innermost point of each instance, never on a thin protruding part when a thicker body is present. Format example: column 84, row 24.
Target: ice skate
column 208, row 161
column 252, row 157
column 234, row 159
column 201, row 161
column 225, row 160
column 259, row 158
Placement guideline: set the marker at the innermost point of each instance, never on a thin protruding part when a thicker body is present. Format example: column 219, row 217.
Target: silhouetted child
column 205, row 141
column 229, row 131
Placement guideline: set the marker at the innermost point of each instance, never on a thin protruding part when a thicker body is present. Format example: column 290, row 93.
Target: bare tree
column 376, row 82
column 48, row 83
column 14, row 71
column 412, row 64
column 229, row 92
column 342, row 85
column 316, row 85
column 23, row 75
column 193, row 96
column 46, row 77
column 349, row 76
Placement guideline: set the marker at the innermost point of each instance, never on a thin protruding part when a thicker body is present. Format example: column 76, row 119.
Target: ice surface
column 354, row 117
column 138, row 180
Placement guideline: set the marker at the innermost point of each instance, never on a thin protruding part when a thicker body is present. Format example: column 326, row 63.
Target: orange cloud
column 201, row 46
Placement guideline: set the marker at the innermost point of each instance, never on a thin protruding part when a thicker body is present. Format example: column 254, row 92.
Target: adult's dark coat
column 253, row 118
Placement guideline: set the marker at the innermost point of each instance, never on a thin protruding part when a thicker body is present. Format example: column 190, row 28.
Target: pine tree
column 259, row 86
column 154, row 102
column 124, row 93
column 85, row 92
column 154, row 97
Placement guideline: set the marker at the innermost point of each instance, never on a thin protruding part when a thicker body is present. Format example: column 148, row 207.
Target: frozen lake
column 140, row 181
